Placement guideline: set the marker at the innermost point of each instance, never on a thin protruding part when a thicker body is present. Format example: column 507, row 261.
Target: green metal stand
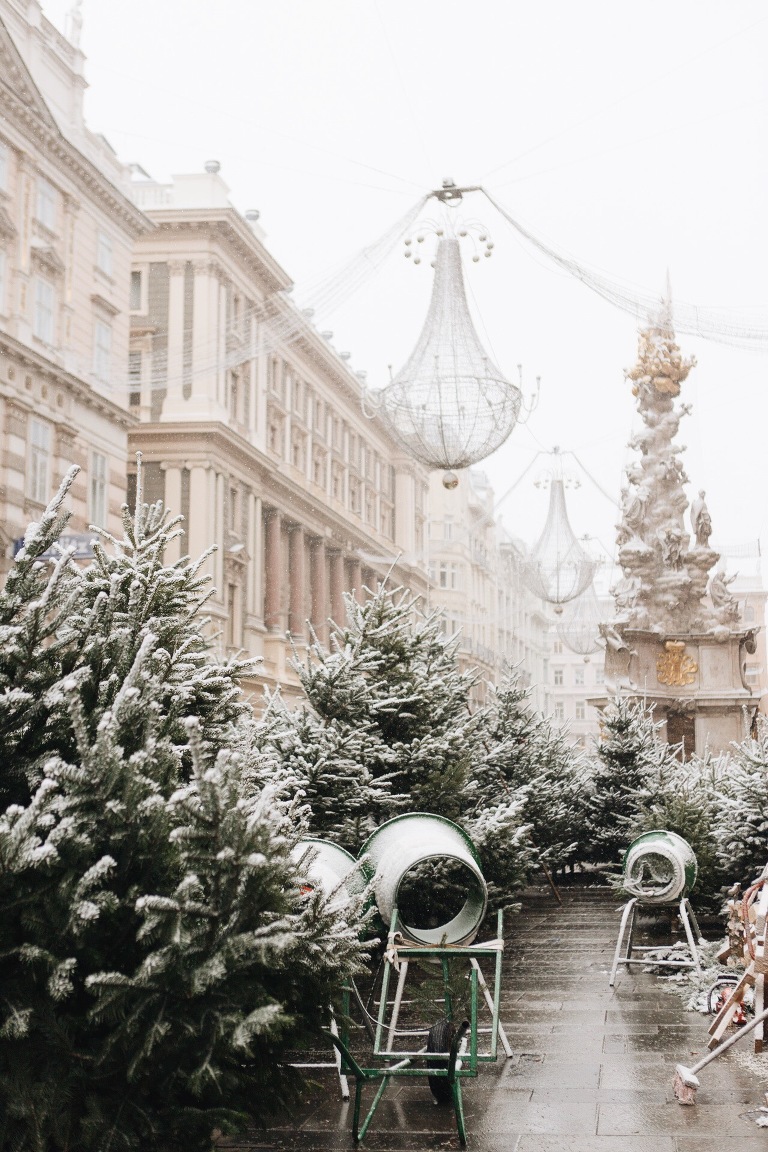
column 463, row 1058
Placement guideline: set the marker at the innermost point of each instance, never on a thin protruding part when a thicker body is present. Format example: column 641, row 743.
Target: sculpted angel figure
column 612, row 638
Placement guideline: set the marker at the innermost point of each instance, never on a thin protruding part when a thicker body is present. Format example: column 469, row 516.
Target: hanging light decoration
column 558, row 569
column 579, row 626
column 449, row 405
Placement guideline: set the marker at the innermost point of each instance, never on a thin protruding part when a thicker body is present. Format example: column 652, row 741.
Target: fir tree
column 742, row 809
column 326, row 762
column 156, row 951
column 682, row 798
column 391, row 730
column 528, row 758
column 627, row 756
column 392, row 674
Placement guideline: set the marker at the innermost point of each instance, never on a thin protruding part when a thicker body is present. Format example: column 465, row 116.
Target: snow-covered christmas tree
column 157, row 951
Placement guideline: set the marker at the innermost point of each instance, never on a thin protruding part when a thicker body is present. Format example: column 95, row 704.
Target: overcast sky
column 634, row 136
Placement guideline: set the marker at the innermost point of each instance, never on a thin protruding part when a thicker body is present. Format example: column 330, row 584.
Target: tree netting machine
column 436, row 1004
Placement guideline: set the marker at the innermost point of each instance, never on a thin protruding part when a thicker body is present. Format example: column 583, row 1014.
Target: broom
column 686, row 1082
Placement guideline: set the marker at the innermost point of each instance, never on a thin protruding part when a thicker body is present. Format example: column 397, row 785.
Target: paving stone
column 592, row 1066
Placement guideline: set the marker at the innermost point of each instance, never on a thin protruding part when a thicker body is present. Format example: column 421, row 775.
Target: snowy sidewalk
column 592, row 1068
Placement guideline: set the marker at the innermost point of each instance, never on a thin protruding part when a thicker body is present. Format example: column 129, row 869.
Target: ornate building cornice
column 22, row 104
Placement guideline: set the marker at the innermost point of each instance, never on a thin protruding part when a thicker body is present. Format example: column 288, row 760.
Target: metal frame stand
column 464, row 1056
column 755, row 925
column 626, row 930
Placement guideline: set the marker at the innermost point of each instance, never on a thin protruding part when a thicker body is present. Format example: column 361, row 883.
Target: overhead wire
column 708, row 322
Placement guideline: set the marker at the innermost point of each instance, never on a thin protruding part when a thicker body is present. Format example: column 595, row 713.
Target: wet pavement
column 592, row 1066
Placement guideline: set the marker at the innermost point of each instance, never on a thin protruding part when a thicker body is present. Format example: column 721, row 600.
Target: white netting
column 558, row 569
column 579, row 626
column 449, row 405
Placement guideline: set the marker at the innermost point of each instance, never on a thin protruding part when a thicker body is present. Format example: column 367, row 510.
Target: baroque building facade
column 251, row 426
column 152, row 317
column 67, row 230
column 475, row 576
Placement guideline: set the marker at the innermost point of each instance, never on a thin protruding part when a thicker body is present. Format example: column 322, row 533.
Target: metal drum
column 329, row 866
column 408, row 859
column 659, row 868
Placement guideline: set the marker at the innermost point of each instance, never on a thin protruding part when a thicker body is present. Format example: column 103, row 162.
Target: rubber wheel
column 440, row 1039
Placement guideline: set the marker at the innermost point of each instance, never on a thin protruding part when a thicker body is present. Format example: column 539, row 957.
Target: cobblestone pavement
column 592, row 1068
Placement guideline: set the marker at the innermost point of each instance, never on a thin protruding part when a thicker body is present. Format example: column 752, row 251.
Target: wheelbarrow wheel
column 440, row 1039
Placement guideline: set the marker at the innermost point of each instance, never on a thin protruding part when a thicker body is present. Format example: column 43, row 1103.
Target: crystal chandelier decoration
column 579, row 625
column 558, row 569
column 449, row 405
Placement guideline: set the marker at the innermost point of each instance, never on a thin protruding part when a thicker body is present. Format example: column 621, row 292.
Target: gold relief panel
column 674, row 667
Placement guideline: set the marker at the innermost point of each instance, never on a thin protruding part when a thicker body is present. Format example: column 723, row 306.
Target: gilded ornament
column 674, row 667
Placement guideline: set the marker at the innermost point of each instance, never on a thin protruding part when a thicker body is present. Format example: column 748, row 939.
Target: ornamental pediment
column 16, row 83
column 7, row 226
column 46, row 256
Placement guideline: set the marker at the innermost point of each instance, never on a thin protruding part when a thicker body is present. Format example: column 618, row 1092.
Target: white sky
column 634, row 136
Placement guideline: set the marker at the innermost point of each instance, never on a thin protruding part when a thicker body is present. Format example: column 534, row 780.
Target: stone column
column 319, row 589
column 356, row 578
column 173, row 406
column 220, row 534
column 337, row 588
column 273, row 530
column 201, row 528
column 297, row 579
column 253, row 542
column 173, row 503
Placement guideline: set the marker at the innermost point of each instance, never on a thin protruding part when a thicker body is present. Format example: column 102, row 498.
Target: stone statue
column 633, row 505
column 718, row 589
column 625, row 592
column 701, row 522
column 671, row 548
column 74, row 23
column 612, row 638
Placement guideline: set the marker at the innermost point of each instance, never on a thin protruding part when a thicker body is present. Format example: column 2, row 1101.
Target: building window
column 102, row 350
column 45, row 206
column 578, row 676
column 45, row 309
column 134, row 379
column 581, row 710
column 98, row 493
column 559, row 710
column 318, row 468
column 104, row 253
column 557, row 647
column 558, row 676
column 233, row 397
column 448, row 528
column 39, row 461
column 600, row 675
column 233, row 509
column 136, row 292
